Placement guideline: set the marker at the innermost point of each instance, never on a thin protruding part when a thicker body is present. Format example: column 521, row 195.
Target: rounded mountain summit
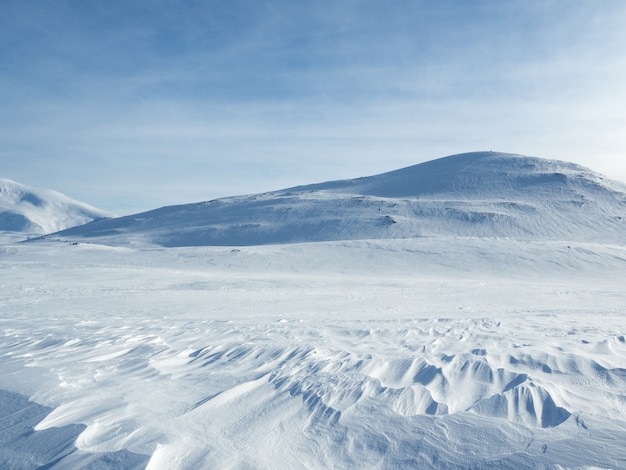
column 479, row 194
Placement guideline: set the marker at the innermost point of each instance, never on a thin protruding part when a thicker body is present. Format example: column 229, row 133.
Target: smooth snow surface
column 484, row 194
column 24, row 209
column 443, row 353
column 494, row 339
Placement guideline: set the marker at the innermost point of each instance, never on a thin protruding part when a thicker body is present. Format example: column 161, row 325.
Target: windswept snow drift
column 456, row 353
column 483, row 194
column 21, row 448
column 31, row 210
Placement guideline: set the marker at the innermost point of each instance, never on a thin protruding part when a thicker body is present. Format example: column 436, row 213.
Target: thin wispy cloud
column 109, row 101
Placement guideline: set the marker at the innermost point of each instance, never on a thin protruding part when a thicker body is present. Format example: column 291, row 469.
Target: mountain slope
column 483, row 194
column 38, row 210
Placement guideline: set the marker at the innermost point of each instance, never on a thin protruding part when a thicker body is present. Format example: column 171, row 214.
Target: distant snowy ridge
column 480, row 194
column 39, row 210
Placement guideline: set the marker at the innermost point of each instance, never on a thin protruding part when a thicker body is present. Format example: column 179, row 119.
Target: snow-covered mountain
column 437, row 350
column 473, row 194
column 39, row 210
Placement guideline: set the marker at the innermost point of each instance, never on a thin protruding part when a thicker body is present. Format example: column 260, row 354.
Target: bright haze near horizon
column 132, row 106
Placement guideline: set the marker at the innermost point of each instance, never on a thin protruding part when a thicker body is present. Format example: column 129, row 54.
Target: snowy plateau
column 468, row 312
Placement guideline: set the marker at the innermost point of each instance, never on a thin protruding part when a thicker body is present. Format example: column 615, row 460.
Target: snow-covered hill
column 473, row 194
column 32, row 210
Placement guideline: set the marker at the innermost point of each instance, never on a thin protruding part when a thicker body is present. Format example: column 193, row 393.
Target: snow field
column 444, row 353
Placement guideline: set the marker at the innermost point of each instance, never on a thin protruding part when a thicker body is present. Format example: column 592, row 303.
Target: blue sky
column 132, row 105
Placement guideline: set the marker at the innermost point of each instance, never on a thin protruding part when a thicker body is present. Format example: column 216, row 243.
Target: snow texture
column 453, row 349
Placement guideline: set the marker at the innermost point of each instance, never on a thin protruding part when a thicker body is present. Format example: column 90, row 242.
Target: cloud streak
column 133, row 107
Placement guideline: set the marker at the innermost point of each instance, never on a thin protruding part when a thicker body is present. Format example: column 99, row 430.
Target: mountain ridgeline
column 481, row 194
